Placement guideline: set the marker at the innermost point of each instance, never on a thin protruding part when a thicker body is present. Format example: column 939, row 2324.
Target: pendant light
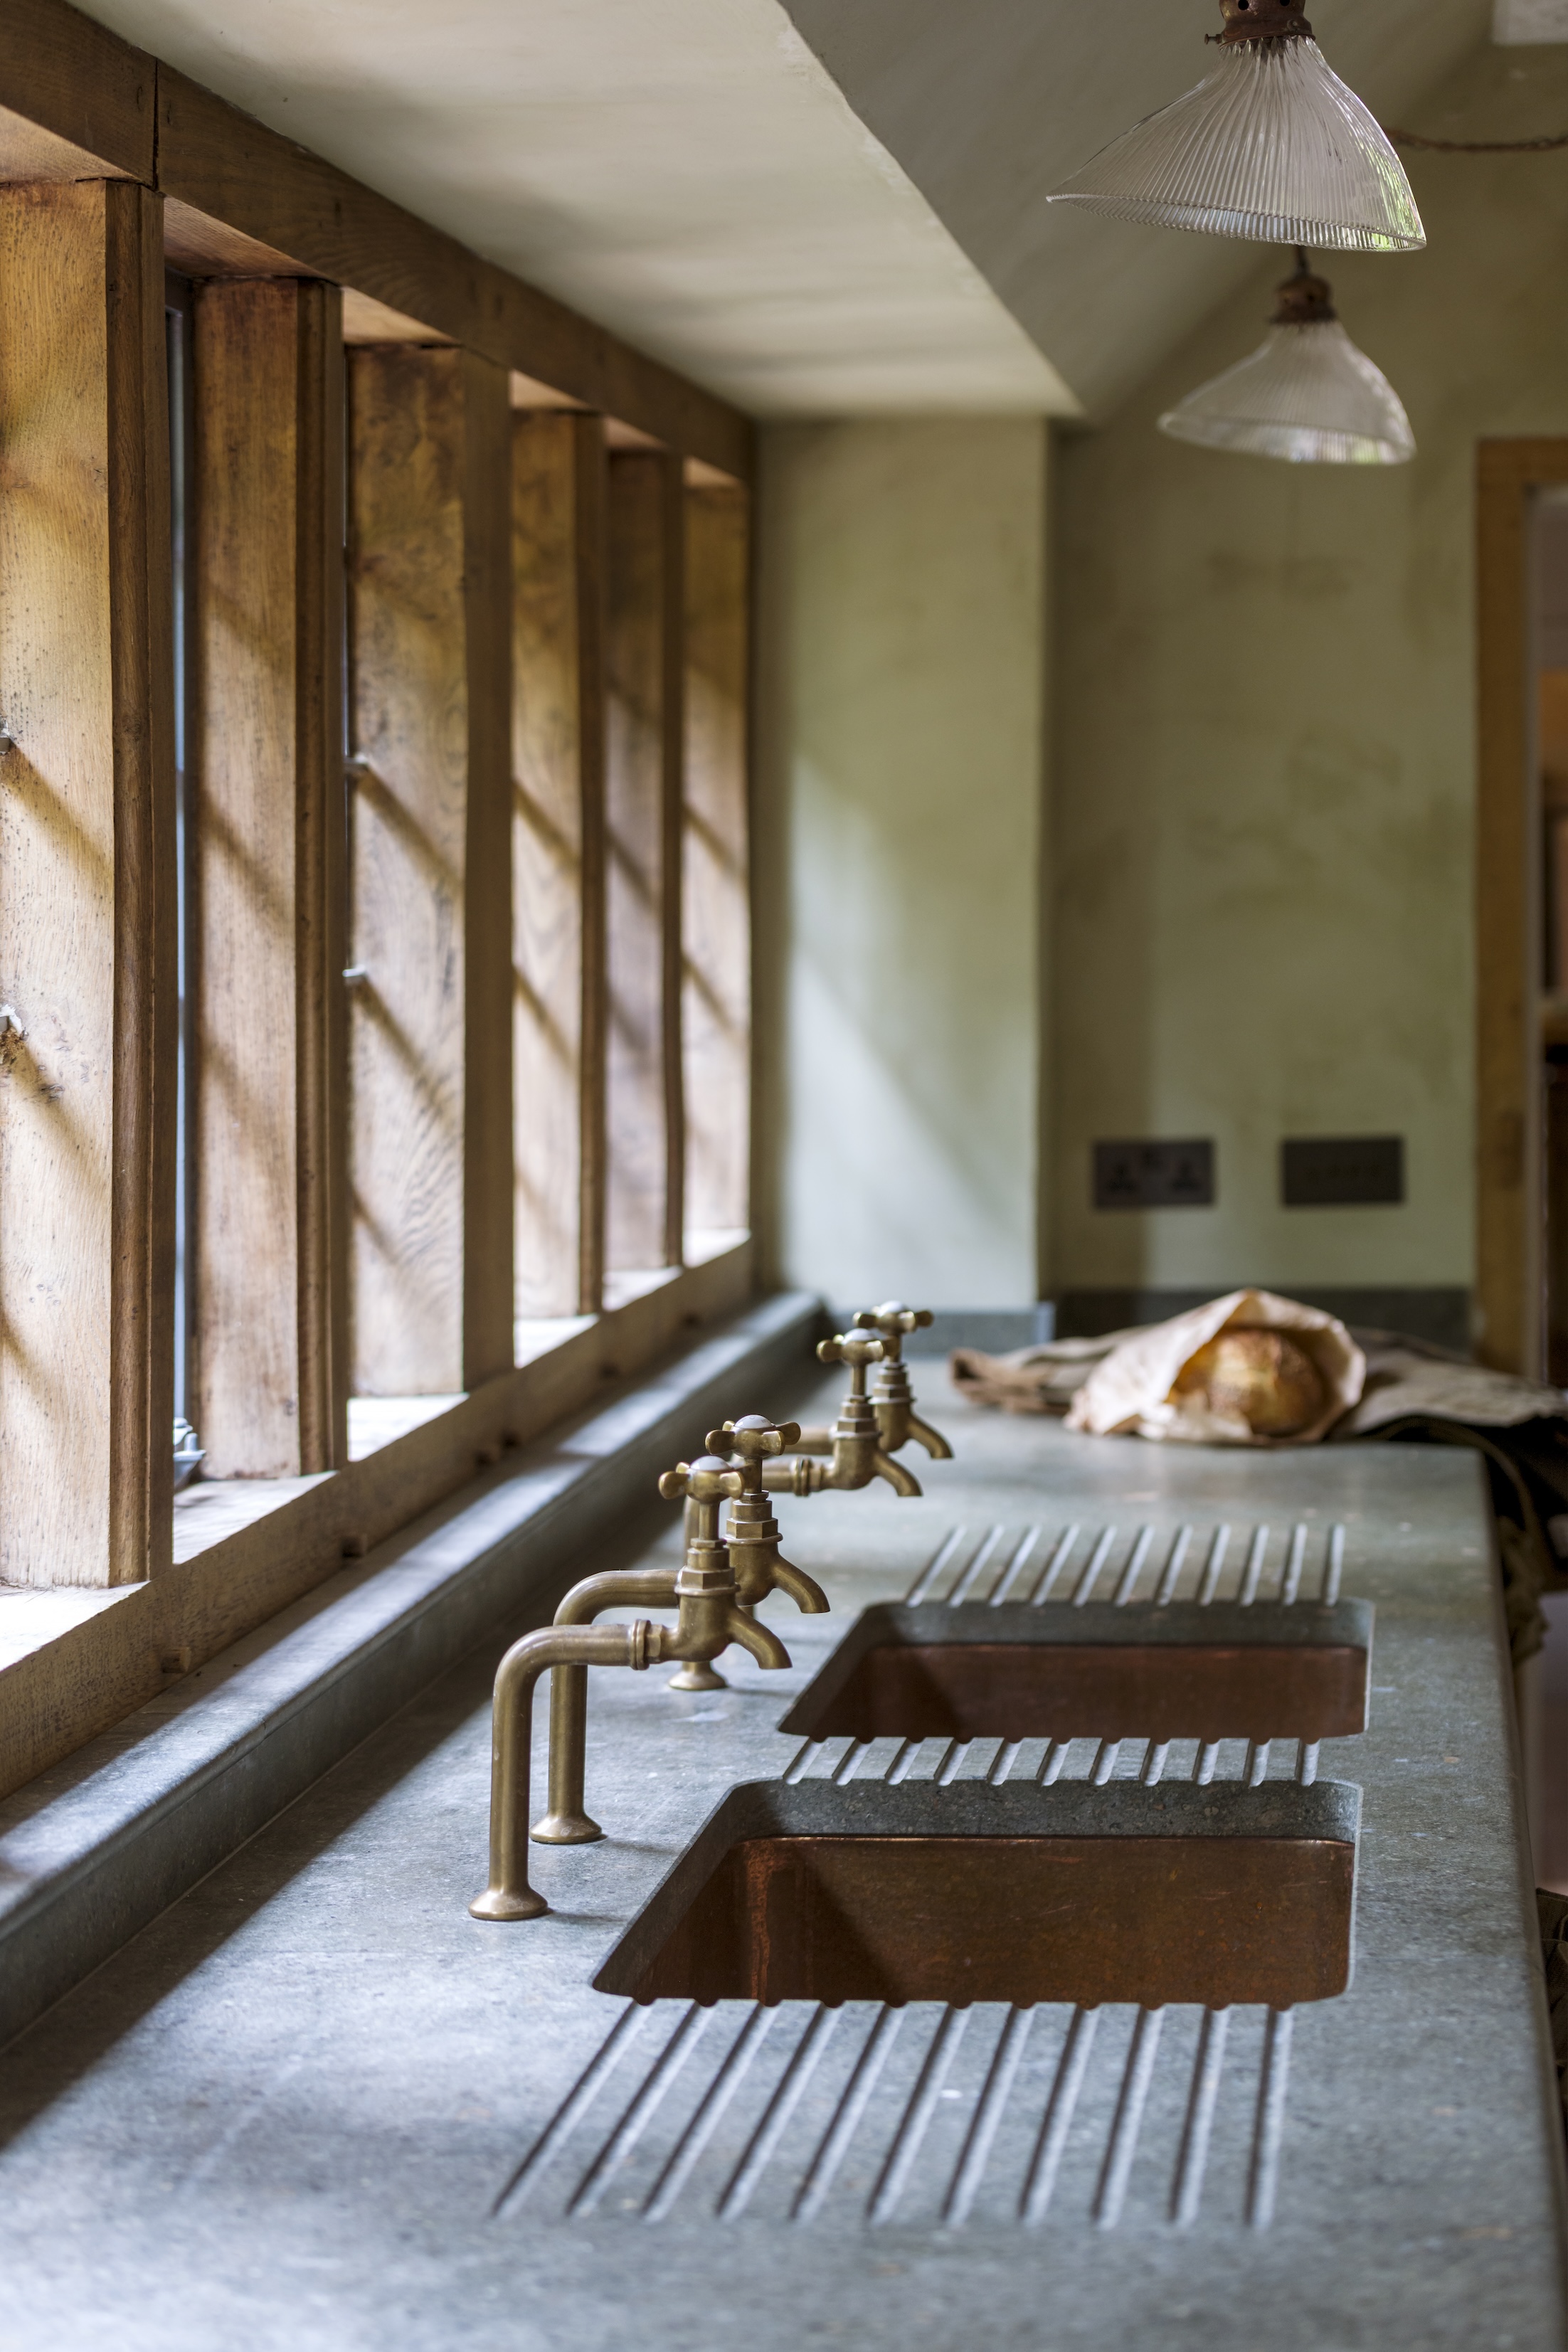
column 1306, row 395
column 1272, row 146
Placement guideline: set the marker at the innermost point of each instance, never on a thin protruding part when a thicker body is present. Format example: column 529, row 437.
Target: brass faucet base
column 565, row 1829
column 495, row 1904
column 696, row 1676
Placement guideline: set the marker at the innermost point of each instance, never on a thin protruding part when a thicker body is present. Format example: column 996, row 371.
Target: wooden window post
column 265, row 1382
column 643, row 795
column 558, row 861
column 716, row 880
column 88, row 947
column 430, row 1030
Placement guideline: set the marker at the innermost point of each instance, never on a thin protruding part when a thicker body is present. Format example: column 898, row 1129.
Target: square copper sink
column 1186, row 1672
column 1017, row 1894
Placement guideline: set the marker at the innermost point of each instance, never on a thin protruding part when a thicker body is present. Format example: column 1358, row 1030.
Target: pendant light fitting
column 1306, row 396
column 1272, row 146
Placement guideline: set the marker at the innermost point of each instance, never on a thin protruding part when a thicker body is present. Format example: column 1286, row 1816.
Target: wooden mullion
column 487, row 1279
column 265, row 1385
column 591, row 488
column 87, row 891
column 672, row 861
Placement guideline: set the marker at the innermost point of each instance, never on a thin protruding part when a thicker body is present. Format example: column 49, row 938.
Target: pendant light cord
column 1476, row 146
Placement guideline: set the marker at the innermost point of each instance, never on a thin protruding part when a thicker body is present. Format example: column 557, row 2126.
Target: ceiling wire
column 1476, row 146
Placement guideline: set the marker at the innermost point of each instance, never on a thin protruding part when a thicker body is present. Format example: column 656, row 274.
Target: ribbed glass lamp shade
column 1273, row 145
column 1308, row 396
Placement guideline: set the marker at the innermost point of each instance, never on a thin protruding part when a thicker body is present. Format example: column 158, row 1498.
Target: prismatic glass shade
column 1273, row 145
column 1308, row 396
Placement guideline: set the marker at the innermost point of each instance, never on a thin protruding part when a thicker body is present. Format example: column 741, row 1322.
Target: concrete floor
column 283, row 2115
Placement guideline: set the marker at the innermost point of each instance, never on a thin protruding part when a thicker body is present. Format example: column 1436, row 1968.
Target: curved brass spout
column 509, row 1894
column 567, row 1822
column 859, row 1454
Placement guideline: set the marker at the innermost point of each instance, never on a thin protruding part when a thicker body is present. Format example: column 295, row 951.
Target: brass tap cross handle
column 751, row 1529
column 893, row 1398
column 857, row 1451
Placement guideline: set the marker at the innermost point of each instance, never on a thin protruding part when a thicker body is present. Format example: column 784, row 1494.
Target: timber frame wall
column 465, row 898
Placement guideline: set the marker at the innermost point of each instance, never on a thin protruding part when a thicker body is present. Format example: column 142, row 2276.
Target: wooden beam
column 558, row 860
column 80, row 102
column 430, row 1113
column 1508, row 968
column 228, row 177
column 266, row 1383
column 87, row 891
column 716, row 1002
column 643, row 751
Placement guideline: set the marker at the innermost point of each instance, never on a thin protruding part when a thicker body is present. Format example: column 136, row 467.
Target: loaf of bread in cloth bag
column 1251, row 1369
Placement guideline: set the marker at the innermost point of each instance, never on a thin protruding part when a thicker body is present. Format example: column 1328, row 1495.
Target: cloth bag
column 1129, row 1392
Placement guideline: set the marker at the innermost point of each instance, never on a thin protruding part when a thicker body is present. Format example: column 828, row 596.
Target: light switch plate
column 1341, row 1171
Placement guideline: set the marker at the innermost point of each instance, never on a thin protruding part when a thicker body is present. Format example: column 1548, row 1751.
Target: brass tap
column 752, row 1539
column 710, row 1618
column 855, row 1440
column 892, row 1397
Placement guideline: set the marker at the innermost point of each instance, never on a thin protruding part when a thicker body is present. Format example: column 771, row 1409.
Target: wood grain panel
column 226, row 172
column 558, row 462
column 266, row 762
column 1509, row 1275
column 643, row 823
column 87, row 892
column 430, row 1125
column 716, row 1002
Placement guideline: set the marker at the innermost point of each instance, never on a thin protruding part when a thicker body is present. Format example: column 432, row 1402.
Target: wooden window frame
column 185, row 181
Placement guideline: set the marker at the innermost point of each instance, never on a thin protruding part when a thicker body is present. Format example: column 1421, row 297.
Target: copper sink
column 1017, row 1894
column 1186, row 1672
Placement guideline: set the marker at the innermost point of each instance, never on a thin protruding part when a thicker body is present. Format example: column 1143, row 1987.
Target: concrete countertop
column 315, row 2103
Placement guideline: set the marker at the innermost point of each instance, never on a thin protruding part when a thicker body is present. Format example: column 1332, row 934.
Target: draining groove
column 1134, row 1567
column 1192, row 2163
column 1015, row 1566
column 1307, row 1762
column 1051, row 1762
column 844, row 1770
column 1071, row 2068
column 578, row 2100
column 618, row 2147
column 1256, row 1771
column 917, row 2115
column 1263, row 2185
column 987, row 2123
column 1253, row 1573
column 1096, row 1560
column 1154, row 1763
column 1136, row 2078
column 1166, row 1591
column 688, row 2147
column 1204, row 1761
column 951, row 1764
column 902, row 1763
column 814, row 2189
column 967, row 1581
column 1006, row 1757
column 1219, row 1545
column 1334, row 1566
column 802, row 1764
column 792, row 2087
column 1055, row 1565
column 1295, row 1560
column 1105, row 1762
column 934, row 1566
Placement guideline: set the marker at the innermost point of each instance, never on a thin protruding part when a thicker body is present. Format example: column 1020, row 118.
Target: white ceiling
column 683, row 171
column 854, row 226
